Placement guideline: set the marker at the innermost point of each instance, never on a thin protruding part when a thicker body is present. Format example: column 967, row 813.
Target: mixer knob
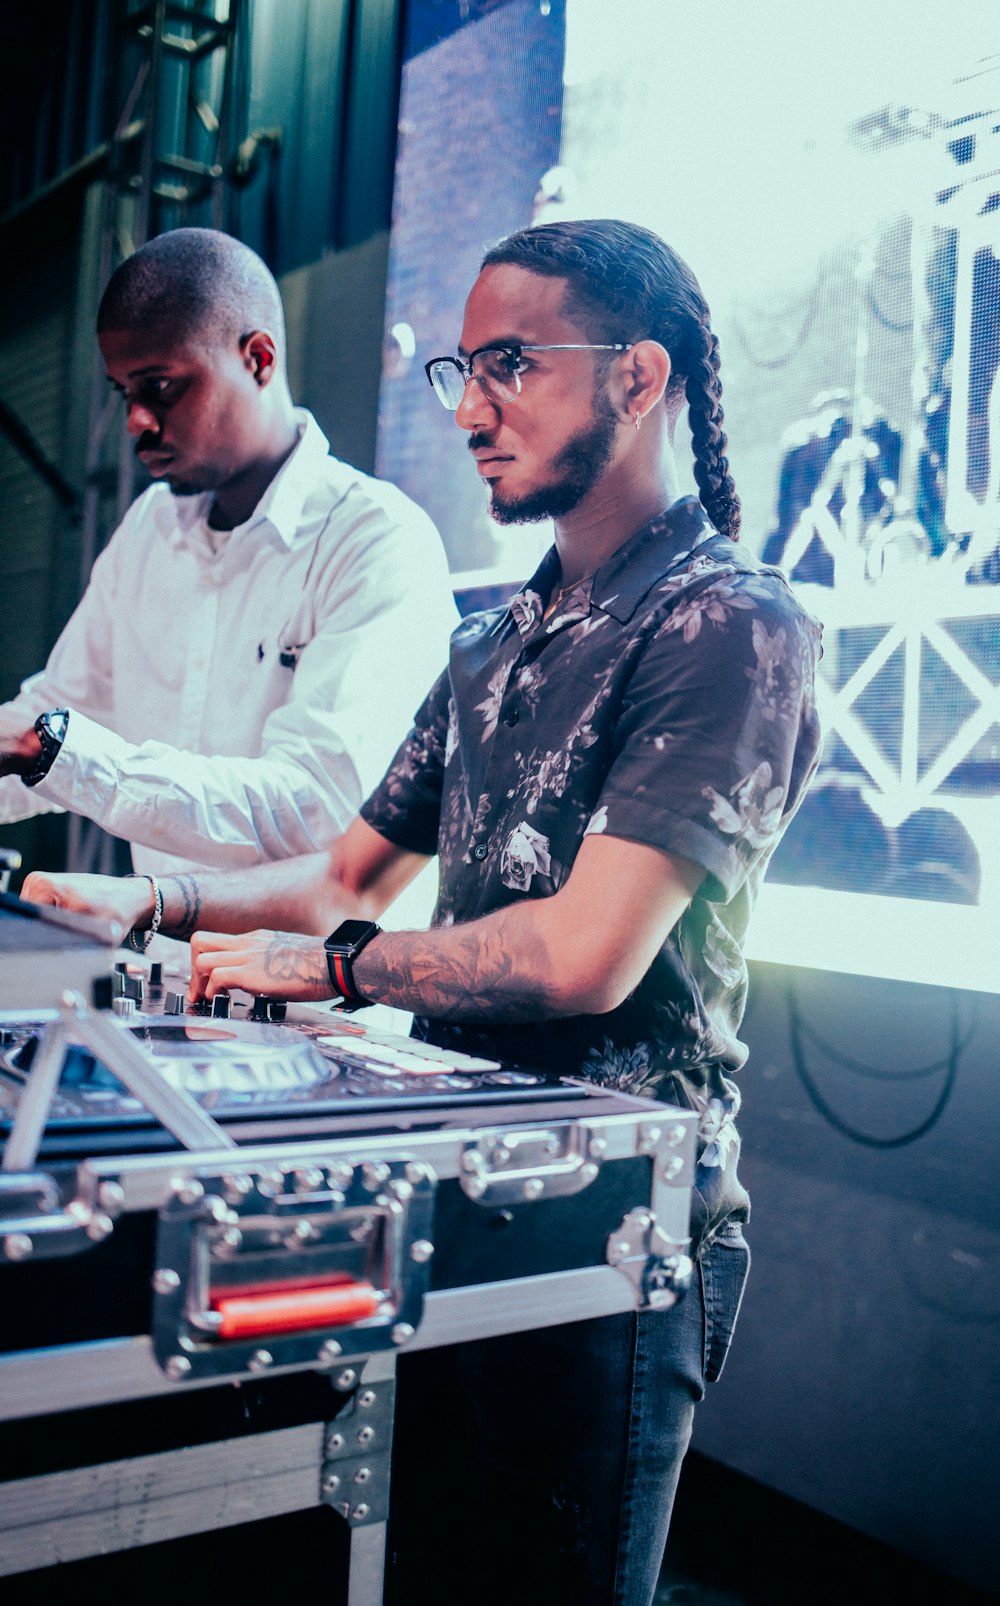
column 174, row 1004
column 156, row 974
column 123, row 1006
column 221, row 1005
column 264, row 1008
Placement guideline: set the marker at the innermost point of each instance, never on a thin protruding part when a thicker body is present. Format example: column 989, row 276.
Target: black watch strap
column 342, row 948
column 50, row 728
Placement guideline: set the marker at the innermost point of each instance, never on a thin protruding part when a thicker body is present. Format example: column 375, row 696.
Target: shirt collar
column 666, row 541
column 283, row 503
column 619, row 585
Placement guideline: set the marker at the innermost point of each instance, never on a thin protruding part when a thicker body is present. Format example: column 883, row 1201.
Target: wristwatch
column 50, row 728
column 342, row 948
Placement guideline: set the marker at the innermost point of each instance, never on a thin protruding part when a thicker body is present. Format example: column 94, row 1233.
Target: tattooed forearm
column 182, row 912
column 496, row 969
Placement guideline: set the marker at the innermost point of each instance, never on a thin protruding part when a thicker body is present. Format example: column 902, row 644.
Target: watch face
column 349, row 932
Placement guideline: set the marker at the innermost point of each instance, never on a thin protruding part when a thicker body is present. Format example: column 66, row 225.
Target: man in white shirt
column 254, row 638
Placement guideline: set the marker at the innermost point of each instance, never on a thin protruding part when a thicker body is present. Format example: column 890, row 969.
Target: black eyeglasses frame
column 509, row 349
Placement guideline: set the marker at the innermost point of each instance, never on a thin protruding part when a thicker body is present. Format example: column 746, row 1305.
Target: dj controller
column 248, row 1061
column 281, row 1199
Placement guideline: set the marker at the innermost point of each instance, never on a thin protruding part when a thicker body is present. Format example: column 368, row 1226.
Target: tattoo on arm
column 495, row 969
column 190, row 892
column 296, row 959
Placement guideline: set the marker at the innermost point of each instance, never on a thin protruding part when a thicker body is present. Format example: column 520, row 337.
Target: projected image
column 833, row 177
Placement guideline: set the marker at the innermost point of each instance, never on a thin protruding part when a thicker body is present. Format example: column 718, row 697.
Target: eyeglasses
column 497, row 369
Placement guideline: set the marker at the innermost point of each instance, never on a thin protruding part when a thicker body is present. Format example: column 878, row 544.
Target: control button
column 174, row 1004
column 480, row 851
column 156, row 974
column 123, row 1006
column 221, row 1006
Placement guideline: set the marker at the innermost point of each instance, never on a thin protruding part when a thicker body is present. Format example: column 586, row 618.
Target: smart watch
column 50, row 728
column 342, row 948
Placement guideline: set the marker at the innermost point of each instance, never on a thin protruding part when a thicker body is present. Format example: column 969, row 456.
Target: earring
column 638, row 422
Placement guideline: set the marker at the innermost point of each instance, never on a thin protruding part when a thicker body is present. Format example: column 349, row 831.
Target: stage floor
column 769, row 1550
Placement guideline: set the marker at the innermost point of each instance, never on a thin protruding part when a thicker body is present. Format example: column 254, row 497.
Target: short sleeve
column 405, row 807
column 717, row 735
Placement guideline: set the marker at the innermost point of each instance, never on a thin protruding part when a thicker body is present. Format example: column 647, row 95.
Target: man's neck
column 613, row 511
column 235, row 501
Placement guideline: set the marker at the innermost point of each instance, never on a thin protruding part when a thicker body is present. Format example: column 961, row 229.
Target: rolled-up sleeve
column 406, row 806
column 717, row 734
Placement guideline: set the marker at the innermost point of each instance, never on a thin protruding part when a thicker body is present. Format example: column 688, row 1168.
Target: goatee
column 575, row 471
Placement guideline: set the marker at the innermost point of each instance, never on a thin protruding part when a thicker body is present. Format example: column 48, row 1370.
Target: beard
column 574, row 471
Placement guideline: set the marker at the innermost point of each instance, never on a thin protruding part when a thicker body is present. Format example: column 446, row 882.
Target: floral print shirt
column 669, row 700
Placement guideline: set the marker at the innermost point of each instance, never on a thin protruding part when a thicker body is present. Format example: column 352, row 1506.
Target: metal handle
column 319, row 1261
column 505, row 1166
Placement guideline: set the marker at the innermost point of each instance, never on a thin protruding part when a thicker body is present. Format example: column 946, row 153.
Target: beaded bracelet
column 140, row 947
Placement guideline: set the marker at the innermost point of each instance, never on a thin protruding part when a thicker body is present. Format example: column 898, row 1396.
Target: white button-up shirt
column 191, row 734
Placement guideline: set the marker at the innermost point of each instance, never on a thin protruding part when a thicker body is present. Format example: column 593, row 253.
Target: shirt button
column 480, row 851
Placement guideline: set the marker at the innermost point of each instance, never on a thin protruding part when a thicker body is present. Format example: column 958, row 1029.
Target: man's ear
column 260, row 354
column 645, row 373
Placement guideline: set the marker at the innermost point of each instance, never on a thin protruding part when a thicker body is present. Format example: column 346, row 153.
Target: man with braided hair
column 603, row 771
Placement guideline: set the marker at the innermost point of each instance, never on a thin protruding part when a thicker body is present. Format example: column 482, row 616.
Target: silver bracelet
column 154, row 925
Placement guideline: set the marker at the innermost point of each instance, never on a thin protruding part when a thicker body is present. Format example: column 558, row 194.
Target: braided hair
column 626, row 284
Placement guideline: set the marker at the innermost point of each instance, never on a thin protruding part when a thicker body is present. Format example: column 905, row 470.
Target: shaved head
column 195, row 282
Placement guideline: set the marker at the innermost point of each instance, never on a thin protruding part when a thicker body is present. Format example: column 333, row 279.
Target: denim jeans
column 540, row 1469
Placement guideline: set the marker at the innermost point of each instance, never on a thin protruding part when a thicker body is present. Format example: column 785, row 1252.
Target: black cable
column 872, row 1072
column 854, row 1134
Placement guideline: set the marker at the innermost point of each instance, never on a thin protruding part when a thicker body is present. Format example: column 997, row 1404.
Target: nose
column 475, row 410
column 139, row 420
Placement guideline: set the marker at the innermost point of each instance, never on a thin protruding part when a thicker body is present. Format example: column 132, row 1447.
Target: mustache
column 475, row 442
column 147, row 442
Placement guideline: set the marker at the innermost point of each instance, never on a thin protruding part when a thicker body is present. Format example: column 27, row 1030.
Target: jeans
column 540, row 1469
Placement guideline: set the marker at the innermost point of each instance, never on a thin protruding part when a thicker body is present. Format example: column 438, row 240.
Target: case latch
column 658, row 1266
